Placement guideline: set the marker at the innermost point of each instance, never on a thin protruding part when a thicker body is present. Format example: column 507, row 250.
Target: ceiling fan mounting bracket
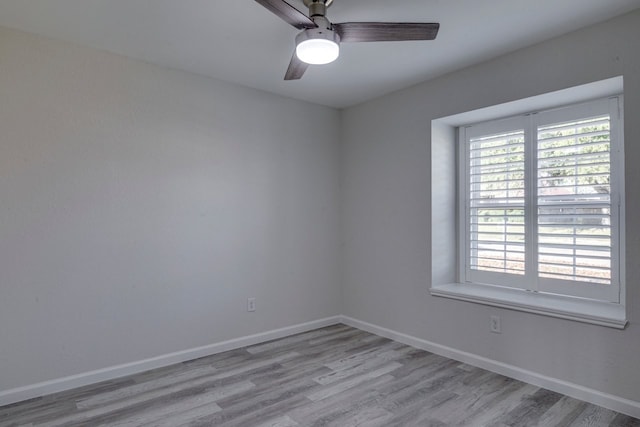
column 318, row 9
column 308, row 3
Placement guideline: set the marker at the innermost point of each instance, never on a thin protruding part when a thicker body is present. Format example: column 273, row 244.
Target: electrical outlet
column 251, row 304
column 495, row 325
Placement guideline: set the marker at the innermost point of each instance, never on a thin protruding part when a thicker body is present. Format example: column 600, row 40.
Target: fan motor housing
column 318, row 33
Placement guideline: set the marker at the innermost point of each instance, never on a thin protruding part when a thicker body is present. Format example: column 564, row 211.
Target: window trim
column 446, row 277
column 582, row 310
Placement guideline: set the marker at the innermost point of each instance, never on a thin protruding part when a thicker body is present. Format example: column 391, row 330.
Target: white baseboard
column 48, row 387
column 609, row 401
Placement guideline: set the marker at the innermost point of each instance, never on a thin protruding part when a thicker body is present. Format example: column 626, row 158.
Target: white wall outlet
column 251, row 304
column 495, row 325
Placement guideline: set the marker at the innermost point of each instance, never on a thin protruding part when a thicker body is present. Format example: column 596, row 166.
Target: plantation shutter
column 496, row 203
column 576, row 216
column 574, row 201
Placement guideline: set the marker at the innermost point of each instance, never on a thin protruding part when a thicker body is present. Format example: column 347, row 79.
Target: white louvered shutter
column 576, row 215
column 574, row 201
column 496, row 203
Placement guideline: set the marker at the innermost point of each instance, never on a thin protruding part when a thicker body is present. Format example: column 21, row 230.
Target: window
column 540, row 199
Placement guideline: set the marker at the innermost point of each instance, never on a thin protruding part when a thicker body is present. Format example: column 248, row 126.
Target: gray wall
column 386, row 212
column 140, row 207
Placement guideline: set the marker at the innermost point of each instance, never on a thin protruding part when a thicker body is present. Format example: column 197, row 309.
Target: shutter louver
column 574, row 201
column 496, row 203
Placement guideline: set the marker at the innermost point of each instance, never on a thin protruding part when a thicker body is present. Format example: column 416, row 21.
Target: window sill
column 581, row 310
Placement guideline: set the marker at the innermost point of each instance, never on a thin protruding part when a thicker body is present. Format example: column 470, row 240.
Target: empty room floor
column 334, row 376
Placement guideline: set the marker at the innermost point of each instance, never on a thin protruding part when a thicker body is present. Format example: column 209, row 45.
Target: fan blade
column 296, row 68
column 288, row 13
column 385, row 31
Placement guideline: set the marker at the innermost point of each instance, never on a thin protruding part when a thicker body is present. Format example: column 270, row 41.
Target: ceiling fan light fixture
column 317, row 46
column 319, row 41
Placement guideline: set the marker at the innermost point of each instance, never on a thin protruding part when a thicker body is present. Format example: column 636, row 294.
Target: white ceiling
column 242, row 42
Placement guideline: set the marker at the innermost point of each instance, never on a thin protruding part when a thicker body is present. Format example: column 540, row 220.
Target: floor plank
column 333, row 376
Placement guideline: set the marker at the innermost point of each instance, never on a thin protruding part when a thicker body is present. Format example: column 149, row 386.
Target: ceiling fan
column 319, row 41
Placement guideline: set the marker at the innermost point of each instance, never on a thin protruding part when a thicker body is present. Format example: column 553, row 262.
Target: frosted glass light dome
column 317, row 46
column 318, row 51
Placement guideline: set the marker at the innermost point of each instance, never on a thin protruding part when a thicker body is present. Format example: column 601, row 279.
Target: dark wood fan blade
column 288, row 13
column 296, row 68
column 385, row 31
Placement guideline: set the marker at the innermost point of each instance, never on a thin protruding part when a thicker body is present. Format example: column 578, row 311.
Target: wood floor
column 334, row 376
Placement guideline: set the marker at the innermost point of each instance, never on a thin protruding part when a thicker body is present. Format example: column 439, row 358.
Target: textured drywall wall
column 386, row 212
column 141, row 206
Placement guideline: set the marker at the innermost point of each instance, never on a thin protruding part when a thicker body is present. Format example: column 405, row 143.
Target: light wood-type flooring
column 334, row 376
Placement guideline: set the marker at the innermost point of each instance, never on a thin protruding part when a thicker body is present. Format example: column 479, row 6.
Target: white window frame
column 542, row 296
